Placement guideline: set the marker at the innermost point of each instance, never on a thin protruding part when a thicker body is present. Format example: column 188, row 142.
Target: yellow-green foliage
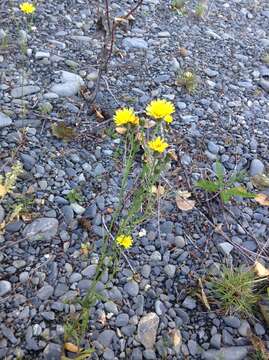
column 7, row 182
column 188, row 79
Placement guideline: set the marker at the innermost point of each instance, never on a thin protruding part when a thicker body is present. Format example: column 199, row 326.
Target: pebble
column 52, row 352
column 45, row 292
column 41, row 229
column 225, row 248
column 228, row 353
column 189, row 303
column 105, row 338
column 131, row 288
column 22, row 91
column 170, row 270
column 256, row 167
column 4, row 120
column 5, row 287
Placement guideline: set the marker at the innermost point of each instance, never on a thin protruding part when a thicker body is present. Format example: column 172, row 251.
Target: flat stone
column 4, row 120
column 244, row 329
column 5, row 287
column 22, row 91
column 8, row 333
column 228, row 353
column 105, row 338
column 45, row 292
column 147, row 330
column 89, row 271
column 135, row 43
column 232, row 321
column 170, row 270
column 41, row 55
column 189, row 303
column 122, row 320
column 71, row 84
column 41, row 229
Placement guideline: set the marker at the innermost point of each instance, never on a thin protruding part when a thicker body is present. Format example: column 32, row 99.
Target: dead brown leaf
column 203, row 296
column 262, row 199
column 62, row 131
column 121, row 130
column 183, row 202
column 260, row 269
column 71, row 347
column 158, row 190
column 260, row 181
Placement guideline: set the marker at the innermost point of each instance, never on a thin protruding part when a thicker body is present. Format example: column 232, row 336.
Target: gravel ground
column 156, row 315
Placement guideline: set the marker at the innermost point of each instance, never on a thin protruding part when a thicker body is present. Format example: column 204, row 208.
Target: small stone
column 105, row 338
column 135, row 43
column 244, row 329
column 256, row 167
column 225, row 248
column 137, row 354
column 145, row 272
column 193, row 347
column 109, row 355
column 170, row 270
column 111, row 307
column 149, row 354
column 264, row 84
column 213, row 148
column 78, row 209
column 189, row 303
column 232, row 321
column 41, row 55
column 45, row 292
column 37, row 330
column 215, row 341
column 41, row 229
column 259, row 329
column 122, row 320
column 5, row 287
column 89, row 271
column 147, row 330
column 155, row 256
column 52, row 352
column 131, row 288
column 180, row 242
column 99, row 170
column 4, row 120
column 8, row 333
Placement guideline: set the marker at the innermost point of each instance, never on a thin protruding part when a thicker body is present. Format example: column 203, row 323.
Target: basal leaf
column 210, row 186
column 227, row 194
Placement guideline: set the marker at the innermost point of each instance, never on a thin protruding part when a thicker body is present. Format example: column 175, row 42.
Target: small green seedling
column 225, row 187
column 188, row 79
column 74, row 196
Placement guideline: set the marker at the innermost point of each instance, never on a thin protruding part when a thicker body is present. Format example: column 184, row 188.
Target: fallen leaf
column 183, row 52
column 71, row 347
column 262, row 199
column 172, row 154
column 176, row 338
column 158, row 190
column 121, row 130
column 3, row 191
column 183, row 202
column 149, row 124
column 203, row 295
column 85, row 223
column 61, row 131
column 260, row 181
column 260, row 270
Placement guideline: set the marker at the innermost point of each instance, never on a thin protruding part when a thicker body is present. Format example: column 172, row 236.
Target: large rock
column 4, row 120
column 147, row 330
column 21, row 91
column 70, row 85
column 228, row 353
column 41, row 229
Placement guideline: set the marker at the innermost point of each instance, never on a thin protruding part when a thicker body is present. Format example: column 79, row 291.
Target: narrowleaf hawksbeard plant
column 138, row 135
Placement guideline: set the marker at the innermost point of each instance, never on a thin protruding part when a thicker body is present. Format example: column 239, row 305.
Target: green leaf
column 219, row 171
column 210, row 186
column 227, row 194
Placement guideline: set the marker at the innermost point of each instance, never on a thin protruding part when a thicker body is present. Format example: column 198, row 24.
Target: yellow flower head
column 125, row 116
column 159, row 109
column 188, row 74
column 27, row 8
column 168, row 119
column 125, row 241
column 158, row 145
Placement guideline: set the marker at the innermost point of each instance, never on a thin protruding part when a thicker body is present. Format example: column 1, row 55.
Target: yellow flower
column 168, row 119
column 158, row 145
column 159, row 109
column 125, row 116
column 27, row 8
column 125, row 241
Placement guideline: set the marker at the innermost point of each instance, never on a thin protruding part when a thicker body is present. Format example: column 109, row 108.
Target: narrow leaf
column 210, row 186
